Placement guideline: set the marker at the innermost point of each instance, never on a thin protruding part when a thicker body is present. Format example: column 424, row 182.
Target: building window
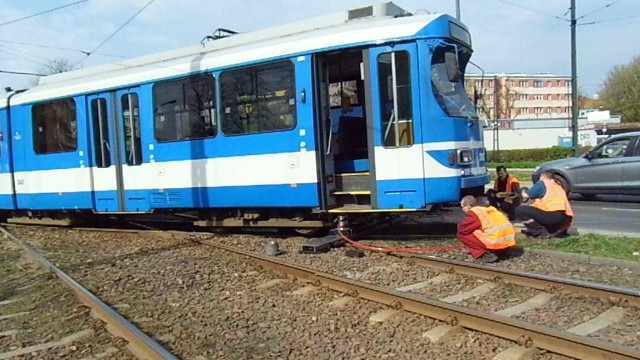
column 184, row 109
column 538, row 110
column 558, row 83
column 538, row 83
column 559, row 110
column 523, row 83
column 567, row 83
column 538, row 97
column 258, row 98
column 524, row 111
column 523, row 97
column 512, row 83
column 55, row 126
column 478, row 84
column 549, row 84
column 490, row 83
column 490, row 97
column 549, row 97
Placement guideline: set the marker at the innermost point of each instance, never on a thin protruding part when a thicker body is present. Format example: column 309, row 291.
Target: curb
column 585, row 259
column 584, row 231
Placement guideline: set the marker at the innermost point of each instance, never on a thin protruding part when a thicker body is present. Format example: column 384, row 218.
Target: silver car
column 612, row 167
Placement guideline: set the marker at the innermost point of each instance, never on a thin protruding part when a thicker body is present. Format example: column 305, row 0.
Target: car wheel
column 588, row 196
column 563, row 182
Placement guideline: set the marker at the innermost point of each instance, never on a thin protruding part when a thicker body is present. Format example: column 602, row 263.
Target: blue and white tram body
column 285, row 126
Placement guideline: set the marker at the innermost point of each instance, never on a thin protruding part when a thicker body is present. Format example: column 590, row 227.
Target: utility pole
column 574, row 82
column 458, row 9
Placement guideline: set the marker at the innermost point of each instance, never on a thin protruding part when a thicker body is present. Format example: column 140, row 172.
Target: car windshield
column 447, row 66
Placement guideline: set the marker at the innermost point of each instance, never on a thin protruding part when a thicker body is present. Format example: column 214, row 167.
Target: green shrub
column 530, row 157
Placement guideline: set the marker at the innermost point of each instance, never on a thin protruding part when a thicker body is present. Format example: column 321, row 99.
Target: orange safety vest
column 554, row 199
column 511, row 180
column 497, row 232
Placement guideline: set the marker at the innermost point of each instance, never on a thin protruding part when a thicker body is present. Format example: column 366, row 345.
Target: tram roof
column 386, row 22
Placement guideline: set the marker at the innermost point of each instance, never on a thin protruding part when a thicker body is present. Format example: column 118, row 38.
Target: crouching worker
column 505, row 183
column 485, row 231
column 550, row 215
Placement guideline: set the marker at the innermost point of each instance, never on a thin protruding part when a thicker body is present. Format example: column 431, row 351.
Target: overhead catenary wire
column 599, row 9
column 43, row 12
column 533, row 10
column 530, row 48
column 58, row 48
column 114, row 33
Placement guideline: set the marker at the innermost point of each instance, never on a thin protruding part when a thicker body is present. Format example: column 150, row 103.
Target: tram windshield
column 447, row 66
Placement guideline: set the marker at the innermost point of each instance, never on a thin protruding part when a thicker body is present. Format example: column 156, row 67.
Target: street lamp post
column 574, row 82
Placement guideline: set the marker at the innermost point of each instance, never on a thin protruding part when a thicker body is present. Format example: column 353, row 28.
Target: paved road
column 609, row 215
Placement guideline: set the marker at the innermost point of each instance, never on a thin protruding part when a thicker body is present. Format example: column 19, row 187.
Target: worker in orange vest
column 550, row 215
column 498, row 196
column 485, row 231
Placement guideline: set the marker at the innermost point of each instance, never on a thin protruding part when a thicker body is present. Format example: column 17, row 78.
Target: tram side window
column 131, row 126
column 101, row 132
column 184, row 109
column 54, row 126
column 394, row 76
column 258, row 98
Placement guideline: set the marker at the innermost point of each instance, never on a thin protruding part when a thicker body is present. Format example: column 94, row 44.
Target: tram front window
column 447, row 66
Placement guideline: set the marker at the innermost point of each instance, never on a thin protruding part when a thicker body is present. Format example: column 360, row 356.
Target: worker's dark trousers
column 544, row 222
column 506, row 207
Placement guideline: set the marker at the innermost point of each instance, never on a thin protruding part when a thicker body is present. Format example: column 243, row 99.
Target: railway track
column 125, row 334
column 526, row 336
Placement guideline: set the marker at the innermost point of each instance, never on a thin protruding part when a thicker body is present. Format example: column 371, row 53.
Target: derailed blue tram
column 358, row 112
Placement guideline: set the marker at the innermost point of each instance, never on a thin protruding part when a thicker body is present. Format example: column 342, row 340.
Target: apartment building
column 521, row 96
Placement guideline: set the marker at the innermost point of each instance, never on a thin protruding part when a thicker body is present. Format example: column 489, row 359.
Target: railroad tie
column 270, row 283
column 441, row 333
column 3, row 317
column 530, row 304
column 342, row 301
column 478, row 291
column 35, row 348
column 433, row 281
column 517, row 353
column 599, row 322
column 304, row 290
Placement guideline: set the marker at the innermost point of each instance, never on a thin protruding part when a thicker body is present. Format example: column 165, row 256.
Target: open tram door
column 394, row 127
column 118, row 182
column 342, row 131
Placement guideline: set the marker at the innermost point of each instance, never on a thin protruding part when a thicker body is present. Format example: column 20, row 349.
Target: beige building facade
column 521, row 96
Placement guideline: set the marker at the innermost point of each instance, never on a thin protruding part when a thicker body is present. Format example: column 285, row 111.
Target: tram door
column 118, row 181
column 395, row 143
column 325, row 133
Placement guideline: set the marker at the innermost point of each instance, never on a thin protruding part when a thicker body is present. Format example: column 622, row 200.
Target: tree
column 621, row 91
column 54, row 66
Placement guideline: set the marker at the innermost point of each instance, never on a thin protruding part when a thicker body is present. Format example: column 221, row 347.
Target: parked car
column 611, row 167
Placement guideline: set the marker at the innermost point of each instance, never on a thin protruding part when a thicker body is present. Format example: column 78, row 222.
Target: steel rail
column 139, row 343
column 527, row 334
column 618, row 295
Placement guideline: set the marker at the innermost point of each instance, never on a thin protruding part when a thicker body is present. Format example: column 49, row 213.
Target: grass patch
column 590, row 244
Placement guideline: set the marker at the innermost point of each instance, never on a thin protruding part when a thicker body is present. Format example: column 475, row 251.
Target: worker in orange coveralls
column 485, row 231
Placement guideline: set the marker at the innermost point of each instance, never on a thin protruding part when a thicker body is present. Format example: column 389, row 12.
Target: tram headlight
column 465, row 157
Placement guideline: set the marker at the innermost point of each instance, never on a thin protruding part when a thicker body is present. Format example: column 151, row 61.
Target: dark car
column 612, row 167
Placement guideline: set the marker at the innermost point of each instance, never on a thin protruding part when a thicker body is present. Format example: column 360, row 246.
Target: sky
column 509, row 36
